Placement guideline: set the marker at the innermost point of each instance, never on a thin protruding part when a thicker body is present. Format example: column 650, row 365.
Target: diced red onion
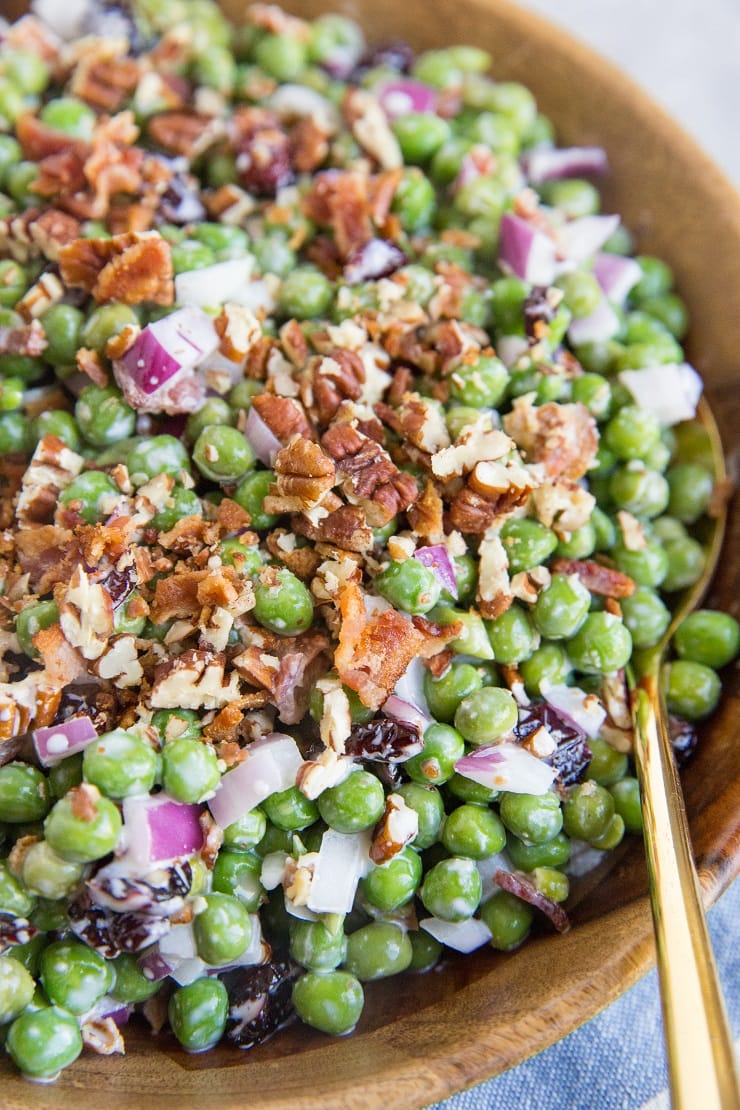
column 58, row 741
column 262, row 439
column 583, row 237
column 526, row 252
column 398, row 98
column 506, row 767
column 407, row 713
column 550, row 164
column 510, row 347
column 214, row 285
column 157, row 828
column 616, row 275
column 670, row 392
column 378, row 258
column 155, row 966
column 271, row 766
column 597, row 327
column 108, row 1007
column 176, row 343
column 463, row 936
column 584, row 710
column 343, row 859
column 410, row 687
column 437, row 558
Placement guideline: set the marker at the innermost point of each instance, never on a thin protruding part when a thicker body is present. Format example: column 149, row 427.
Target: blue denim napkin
column 617, row 1060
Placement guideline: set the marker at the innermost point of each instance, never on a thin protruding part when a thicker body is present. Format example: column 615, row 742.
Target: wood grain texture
column 422, row 1038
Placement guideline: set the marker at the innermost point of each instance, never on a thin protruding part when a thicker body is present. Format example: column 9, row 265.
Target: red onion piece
column 598, row 326
column 523, row 888
column 407, row 713
column 437, row 558
column 399, row 98
column 155, row 966
column 343, row 859
column 526, row 252
column 616, row 275
column 506, row 767
column 158, row 828
column 378, row 258
column 58, row 741
column 463, row 936
column 585, row 711
column 271, row 765
column 214, row 285
column 261, row 439
column 581, row 238
column 670, row 392
column 550, row 164
column 176, row 343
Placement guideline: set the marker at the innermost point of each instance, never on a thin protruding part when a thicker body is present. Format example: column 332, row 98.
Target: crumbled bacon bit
column 516, row 882
column 309, row 145
column 84, row 801
column 340, row 200
column 90, row 363
column 596, row 577
column 131, row 268
column 63, row 664
column 25, row 339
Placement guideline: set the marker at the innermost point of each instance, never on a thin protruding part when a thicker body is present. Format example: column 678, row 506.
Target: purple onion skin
column 393, row 54
column 378, row 258
column 572, row 756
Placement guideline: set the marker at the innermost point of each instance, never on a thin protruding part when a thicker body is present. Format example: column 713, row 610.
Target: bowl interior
column 422, row 1038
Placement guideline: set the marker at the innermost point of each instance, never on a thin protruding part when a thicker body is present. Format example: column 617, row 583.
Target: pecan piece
column 309, row 145
column 340, row 200
column 396, row 828
column 283, row 416
column 369, row 474
column 338, row 376
column 563, row 437
column 304, row 474
column 52, row 467
column 182, row 132
column 131, row 268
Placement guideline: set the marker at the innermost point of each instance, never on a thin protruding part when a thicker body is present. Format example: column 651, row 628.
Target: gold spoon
column 701, row 1060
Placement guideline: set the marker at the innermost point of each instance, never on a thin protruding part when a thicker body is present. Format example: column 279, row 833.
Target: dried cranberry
column 112, row 933
column 375, row 259
column 15, row 930
column 537, row 309
column 89, row 699
column 180, row 203
column 260, row 1000
column 572, row 755
column 161, row 891
column 393, row 54
column 119, row 584
column 384, row 741
column 684, row 738
column 263, row 162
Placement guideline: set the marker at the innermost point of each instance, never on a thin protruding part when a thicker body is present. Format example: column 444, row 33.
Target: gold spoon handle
column 701, row 1061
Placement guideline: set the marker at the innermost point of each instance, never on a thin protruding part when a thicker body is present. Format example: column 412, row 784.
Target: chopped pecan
column 340, row 200
column 284, row 416
column 345, row 527
column 104, row 82
column 371, row 128
column 183, row 132
column 63, row 664
column 597, row 578
column 287, row 666
column 563, row 505
column 478, row 442
column 47, row 554
column 418, row 421
column 632, row 531
column 224, row 726
column 50, row 231
column 309, row 145
column 194, row 680
column 238, row 329
column 494, row 588
column 492, row 492
column 335, row 725
column 25, row 339
column 102, row 1035
column 294, row 343
column 397, row 827
column 271, row 17
column 213, row 835
column 426, row 515
column 91, row 364
column 563, row 437
column 335, row 377
column 86, row 614
column 304, row 474
column 119, row 663
column 43, row 294
column 131, row 268
column 52, row 467
column 369, row 474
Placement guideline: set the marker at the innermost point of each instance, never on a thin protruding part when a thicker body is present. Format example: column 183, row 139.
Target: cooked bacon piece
column 426, row 515
column 176, row 596
column 309, row 145
column 38, row 140
column 27, row 339
column 373, row 652
column 369, row 474
column 48, row 554
column 105, row 83
column 523, row 887
column 130, row 268
column 563, row 437
column 287, row 667
column 597, row 578
column 62, row 663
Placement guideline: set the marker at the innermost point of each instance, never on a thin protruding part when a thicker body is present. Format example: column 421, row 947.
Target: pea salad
column 348, row 456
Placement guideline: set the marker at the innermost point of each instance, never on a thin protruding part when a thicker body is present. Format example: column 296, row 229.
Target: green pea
column 574, row 196
column 691, row 487
column 246, row 832
column 154, row 455
column 631, row 431
column 435, row 764
column 190, row 771
column 465, row 790
column 409, row 585
column 669, row 310
column 425, row 951
column 593, row 391
column 646, row 617
column 602, row 644
column 13, row 897
column 10, row 154
column 214, row 410
column 607, row 765
column 486, row 714
column 13, row 283
column 47, row 874
column 103, row 416
column 452, row 889
column 69, row 115
column 238, row 874
column 62, row 324
column 354, row 804
column 14, row 433
column 11, row 396
column 515, row 102
column 708, row 637
column 82, row 837
column 20, row 177
column 43, row 1042
column 481, row 384
column 648, row 566
column 657, row 279
column 283, row 57
column 290, row 809
column 508, row 918
column 130, row 984
column 105, row 323
column 533, row 818
column 223, row 930
column 32, row 619
column 414, row 200
column 330, row 1001
column 180, row 503
column 626, row 795
column 527, row 857
column 686, row 559
column 547, row 664
column 445, row 694
column 305, row 293
column 120, row 763
column 216, row 68
column 393, row 884
column 24, row 793
column 440, row 68
column 282, row 602
column 473, row 831
column 190, row 255
column 612, row 835
column 587, row 810
column 16, row 989
column 581, row 293
column 251, row 493
column 561, row 607
column 420, row 135
column 426, row 801
column 692, row 690
column 56, row 422
column 377, row 951
column 174, row 724
column 528, row 543
column 513, row 635
column 552, row 883
column 65, row 775
column 222, row 453
column 315, row 947
column 74, row 976
column 92, row 495
column 197, row 1013
column 274, row 255
column 579, row 545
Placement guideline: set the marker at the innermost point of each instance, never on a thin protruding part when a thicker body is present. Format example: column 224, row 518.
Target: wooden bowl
column 423, row 1038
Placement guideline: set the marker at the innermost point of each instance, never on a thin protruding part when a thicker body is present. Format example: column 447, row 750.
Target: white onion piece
column 271, row 765
column 506, row 767
column 616, row 275
column 410, row 687
column 463, row 936
column 670, row 392
column 584, row 710
column 214, row 285
column 157, row 828
column 255, row 295
column 583, row 858
column 487, row 869
column 58, row 741
column 342, row 861
column 187, row 971
column 510, row 347
column 261, row 439
column 273, row 869
column 598, row 326
column 65, row 18
column 179, row 943
column 299, row 101
column 581, row 238
column 551, row 164
column 526, row 252
column 303, row 913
